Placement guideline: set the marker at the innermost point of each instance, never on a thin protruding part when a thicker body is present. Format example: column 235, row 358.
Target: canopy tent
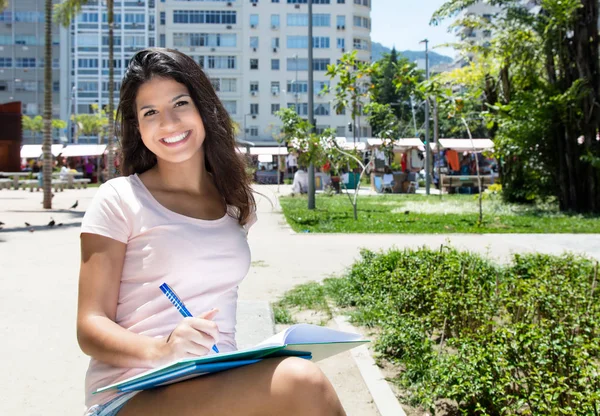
column 75, row 150
column 268, row 151
column 463, row 145
column 265, row 158
column 30, row 151
column 399, row 144
column 282, row 151
column 345, row 144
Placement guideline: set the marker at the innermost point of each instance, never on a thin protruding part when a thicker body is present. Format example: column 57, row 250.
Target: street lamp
column 427, row 146
column 311, row 168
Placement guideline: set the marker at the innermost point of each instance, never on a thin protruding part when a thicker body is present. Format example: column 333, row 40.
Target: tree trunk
column 47, row 142
column 111, row 89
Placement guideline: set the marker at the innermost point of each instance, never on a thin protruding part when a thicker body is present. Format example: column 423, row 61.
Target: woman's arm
column 102, row 338
column 99, row 282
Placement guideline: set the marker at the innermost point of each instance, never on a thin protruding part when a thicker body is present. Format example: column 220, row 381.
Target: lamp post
column 427, row 146
column 311, row 168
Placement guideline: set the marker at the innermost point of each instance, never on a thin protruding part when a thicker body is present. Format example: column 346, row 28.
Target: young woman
column 180, row 215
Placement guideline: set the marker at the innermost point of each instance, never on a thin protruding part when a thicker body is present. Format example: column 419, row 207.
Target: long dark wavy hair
column 226, row 165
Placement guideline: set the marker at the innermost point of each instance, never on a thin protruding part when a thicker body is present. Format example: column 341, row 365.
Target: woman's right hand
column 193, row 337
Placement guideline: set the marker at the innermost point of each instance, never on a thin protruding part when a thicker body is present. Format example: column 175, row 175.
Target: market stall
column 399, row 176
column 455, row 165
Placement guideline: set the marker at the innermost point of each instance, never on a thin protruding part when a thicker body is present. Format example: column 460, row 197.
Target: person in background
column 300, row 183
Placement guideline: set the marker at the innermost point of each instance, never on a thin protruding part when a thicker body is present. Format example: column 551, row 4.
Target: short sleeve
column 106, row 215
column 252, row 218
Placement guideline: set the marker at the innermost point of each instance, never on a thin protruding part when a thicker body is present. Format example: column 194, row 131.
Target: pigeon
column 27, row 224
column 1, row 223
column 52, row 223
column 75, row 204
column 406, row 212
column 31, row 230
column 59, row 224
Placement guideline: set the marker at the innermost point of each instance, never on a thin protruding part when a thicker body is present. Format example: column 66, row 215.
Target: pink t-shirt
column 203, row 261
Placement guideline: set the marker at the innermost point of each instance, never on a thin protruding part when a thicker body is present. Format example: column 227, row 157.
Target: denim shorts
column 110, row 408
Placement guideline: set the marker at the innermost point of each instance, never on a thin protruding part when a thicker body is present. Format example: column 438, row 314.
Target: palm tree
column 47, row 143
column 64, row 13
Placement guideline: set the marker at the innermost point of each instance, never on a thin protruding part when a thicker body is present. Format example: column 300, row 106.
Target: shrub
column 520, row 339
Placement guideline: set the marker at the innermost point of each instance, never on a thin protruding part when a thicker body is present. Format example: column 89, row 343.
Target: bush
column 520, row 339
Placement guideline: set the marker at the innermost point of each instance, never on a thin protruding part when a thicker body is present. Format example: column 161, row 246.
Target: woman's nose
column 168, row 118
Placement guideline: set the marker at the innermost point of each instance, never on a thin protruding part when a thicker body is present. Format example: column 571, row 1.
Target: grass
column 414, row 214
column 310, row 295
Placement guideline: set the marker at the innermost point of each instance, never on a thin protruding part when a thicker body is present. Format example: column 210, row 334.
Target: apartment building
column 254, row 51
column 22, row 57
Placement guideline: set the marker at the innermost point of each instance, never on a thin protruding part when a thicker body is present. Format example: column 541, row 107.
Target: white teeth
column 175, row 139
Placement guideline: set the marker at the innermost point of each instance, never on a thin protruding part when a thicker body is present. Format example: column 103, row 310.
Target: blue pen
column 172, row 296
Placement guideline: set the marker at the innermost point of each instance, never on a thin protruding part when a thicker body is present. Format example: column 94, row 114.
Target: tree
column 47, row 141
column 547, row 104
column 396, row 83
column 3, row 4
column 34, row 125
column 353, row 90
column 318, row 148
column 64, row 13
column 91, row 124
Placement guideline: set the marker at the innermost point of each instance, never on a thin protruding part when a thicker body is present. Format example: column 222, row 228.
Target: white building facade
column 254, row 51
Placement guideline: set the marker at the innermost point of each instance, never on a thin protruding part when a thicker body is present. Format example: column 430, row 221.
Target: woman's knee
column 303, row 383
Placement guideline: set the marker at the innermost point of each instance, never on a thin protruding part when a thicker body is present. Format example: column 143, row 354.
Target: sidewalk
column 43, row 368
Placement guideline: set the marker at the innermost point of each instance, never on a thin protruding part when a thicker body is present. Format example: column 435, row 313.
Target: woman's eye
column 149, row 113
column 180, row 103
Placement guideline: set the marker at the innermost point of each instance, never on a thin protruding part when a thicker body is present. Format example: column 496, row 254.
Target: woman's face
column 169, row 122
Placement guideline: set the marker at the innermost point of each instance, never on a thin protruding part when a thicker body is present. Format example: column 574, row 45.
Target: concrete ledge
column 254, row 323
column 382, row 394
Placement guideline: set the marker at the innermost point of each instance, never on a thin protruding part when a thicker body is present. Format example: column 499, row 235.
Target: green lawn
column 431, row 215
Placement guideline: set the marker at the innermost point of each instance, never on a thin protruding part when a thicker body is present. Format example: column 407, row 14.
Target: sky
column 404, row 23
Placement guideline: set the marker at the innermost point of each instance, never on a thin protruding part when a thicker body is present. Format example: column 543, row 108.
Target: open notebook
column 303, row 340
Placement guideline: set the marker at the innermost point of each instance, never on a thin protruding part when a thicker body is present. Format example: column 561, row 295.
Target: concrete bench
column 59, row 185
column 451, row 182
column 31, row 184
column 81, row 183
column 5, row 183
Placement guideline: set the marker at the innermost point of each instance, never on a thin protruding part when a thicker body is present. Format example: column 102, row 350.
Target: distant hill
column 377, row 51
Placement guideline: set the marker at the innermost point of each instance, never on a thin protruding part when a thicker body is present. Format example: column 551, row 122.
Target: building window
column 297, row 64
column 25, row 62
column 341, row 1
column 275, row 87
column 254, row 42
column 5, row 62
column 360, row 21
column 216, row 83
column 163, row 18
column 253, row 87
column 275, row 64
column 254, row 1
column 305, row 1
column 228, row 85
column 487, row 33
column 221, row 62
column 301, row 19
column 205, row 39
column 300, row 108
column 253, row 131
column 254, row 109
column 162, row 40
column 275, row 43
column 204, row 16
column 275, row 22
column 341, row 43
column 230, row 106
column 275, row 108
column 340, row 22
column 301, row 42
column 274, row 1
column 320, row 64
column 253, row 21
column 253, row 63
column 361, row 44
column 322, row 109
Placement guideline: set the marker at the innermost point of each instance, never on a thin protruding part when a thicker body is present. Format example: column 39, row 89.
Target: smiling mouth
column 176, row 139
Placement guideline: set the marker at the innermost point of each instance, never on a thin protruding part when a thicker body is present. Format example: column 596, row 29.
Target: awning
column 398, row 143
column 282, row 151
column 75, row 150
column 462, row 145
column 29, row 151
column 265, row 158
column 350, row 145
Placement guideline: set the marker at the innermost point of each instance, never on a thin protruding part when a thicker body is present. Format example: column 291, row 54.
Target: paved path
column 42, row 367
